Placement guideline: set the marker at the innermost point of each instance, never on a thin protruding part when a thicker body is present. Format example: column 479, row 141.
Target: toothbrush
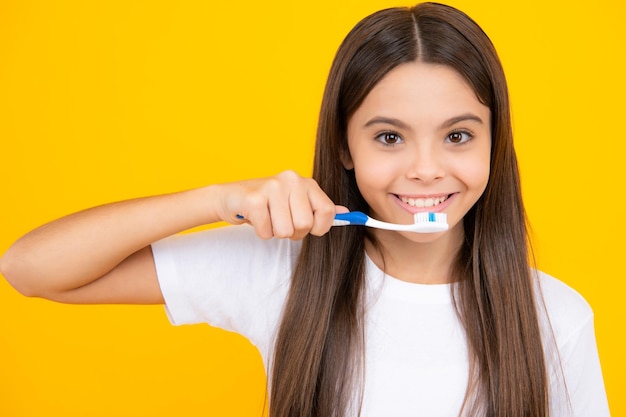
column 424, row 222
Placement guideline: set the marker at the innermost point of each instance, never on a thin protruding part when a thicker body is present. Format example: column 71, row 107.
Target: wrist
column 204, row 202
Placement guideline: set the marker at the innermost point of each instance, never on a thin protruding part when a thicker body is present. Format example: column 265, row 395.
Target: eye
column 459, row 137
column 389, row 138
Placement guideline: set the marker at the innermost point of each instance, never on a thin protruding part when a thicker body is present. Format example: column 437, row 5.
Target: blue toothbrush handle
column 352, row 218
column 343, row 219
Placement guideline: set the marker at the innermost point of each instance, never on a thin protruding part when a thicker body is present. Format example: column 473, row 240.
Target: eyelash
column 469, row 135
column 381, row 137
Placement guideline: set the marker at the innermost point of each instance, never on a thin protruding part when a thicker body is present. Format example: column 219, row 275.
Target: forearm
column 78, row 249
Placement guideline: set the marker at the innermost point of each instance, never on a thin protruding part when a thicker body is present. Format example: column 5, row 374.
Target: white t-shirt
column 416, row 354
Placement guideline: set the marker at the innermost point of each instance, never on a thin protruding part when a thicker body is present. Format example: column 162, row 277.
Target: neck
column 412, row 260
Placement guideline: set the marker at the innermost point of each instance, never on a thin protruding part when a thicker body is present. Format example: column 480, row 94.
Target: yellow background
column 107, row 100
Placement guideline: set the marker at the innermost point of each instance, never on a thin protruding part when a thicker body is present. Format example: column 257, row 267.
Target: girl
column 354, row 321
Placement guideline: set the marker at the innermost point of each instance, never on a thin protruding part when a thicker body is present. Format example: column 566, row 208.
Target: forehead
column 418, row 91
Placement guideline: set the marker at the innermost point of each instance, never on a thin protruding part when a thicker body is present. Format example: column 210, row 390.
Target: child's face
column 420, row 141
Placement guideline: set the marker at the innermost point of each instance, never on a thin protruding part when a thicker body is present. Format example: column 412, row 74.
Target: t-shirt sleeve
column 226, row 277
column 577, row 384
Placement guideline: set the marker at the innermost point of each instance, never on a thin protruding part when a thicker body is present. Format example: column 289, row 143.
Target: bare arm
column 103, row 255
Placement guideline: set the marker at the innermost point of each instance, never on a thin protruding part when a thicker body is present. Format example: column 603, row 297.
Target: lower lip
column 433, row 209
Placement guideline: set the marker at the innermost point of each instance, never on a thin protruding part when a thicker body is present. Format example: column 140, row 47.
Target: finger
column 280, row 215
column 258, row 215
column 323, row 211
column 301, row 214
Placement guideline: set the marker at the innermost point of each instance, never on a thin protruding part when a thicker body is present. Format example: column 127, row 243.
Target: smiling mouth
column 424, row 202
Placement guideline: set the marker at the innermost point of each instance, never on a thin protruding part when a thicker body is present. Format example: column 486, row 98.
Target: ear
column 346, row 159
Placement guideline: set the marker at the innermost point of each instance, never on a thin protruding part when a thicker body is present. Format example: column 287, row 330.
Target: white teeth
column 424, row 202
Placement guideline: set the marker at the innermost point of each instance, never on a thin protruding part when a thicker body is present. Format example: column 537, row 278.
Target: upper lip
column 415, row 196
column 424, row 201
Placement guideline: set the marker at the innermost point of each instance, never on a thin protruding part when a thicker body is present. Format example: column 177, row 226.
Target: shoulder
column 566, row 309
column 226, row 277
column 222, row 260
column 576, row 385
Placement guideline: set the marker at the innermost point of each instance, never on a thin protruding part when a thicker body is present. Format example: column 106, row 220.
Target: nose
column 425, row 164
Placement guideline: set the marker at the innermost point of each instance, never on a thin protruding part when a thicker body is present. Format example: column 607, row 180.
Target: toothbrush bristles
column 425, row 217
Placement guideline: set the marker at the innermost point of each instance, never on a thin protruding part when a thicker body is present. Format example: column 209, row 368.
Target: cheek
column 373, row 174
column 474, row 172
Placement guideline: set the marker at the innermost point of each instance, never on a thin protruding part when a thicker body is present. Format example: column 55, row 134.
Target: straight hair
column 318, row 362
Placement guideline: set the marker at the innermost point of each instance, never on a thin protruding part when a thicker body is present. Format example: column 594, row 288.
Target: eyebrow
column 387, row 121
column 400, row 124
column 462, row 118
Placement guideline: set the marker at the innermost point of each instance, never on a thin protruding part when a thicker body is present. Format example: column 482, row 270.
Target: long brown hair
column 318, row 359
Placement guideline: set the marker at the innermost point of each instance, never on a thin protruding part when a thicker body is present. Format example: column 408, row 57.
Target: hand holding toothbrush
column 283, row 206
